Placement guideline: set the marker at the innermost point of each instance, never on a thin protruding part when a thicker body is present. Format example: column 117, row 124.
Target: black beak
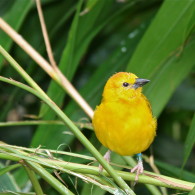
column 140, row 82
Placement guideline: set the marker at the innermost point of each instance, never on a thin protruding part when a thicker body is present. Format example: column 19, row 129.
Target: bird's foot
column 107, row 158
column 138, row 168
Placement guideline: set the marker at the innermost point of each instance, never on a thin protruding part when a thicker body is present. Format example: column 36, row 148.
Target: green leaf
column 7, row 181
column 162, row 51
column 55, row 91
column 14, row 17
column 8, row 168
column 189, row 142
column 167, row 79
column 83, row 29
column 165, row 35
column 184, row 96
column 89, row 25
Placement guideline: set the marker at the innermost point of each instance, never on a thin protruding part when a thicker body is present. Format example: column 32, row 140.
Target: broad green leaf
column 54, row 88
column 167, row 33
column 169, row 44
column 164, row 84
column 14, row 17
column 93, row 88
column 189, row 142
column 162, row 51
column 89, row 5
column 116, row 62
column 184, row 96
column 89, row 25
column 82, row 30
column 7, row 182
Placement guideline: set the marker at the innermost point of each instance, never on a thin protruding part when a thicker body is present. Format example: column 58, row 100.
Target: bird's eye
column 125, row 84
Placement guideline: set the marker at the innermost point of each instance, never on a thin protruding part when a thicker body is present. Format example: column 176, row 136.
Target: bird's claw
column 100, row 168
column 107, row 158
column 138, row 169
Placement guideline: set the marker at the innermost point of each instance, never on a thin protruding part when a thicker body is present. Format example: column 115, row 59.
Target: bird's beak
column 140, row 82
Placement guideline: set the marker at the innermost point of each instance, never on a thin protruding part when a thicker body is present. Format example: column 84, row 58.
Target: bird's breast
column 125, row 128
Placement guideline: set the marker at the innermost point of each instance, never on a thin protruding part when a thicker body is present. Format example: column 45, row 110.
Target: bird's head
column 124, row 86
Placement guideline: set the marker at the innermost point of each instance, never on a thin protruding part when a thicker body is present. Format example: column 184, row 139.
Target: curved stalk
column 36, row 90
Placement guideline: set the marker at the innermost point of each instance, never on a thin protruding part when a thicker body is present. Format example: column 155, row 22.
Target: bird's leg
column 139, row 167
column 107, row 158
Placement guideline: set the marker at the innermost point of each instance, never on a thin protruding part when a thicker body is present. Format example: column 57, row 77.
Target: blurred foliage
column 154, row 39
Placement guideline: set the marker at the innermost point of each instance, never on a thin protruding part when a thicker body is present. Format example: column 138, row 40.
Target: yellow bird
column 123, row 122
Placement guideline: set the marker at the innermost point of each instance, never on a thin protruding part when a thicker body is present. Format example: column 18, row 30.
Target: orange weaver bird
column 123, row 122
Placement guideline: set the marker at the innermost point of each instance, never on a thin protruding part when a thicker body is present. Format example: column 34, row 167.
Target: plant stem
column 43, row 96
column 41, row 151
column 34, row 180
column 45, row 34
column 55, row 74
column 9, row 168
column 146, row 178
column 153, row 179
column 43, row 122
column 49, row 178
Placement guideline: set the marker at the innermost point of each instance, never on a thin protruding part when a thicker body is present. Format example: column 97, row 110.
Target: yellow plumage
column 123, row 122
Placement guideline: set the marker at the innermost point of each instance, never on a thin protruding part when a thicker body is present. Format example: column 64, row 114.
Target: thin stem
column 27, row 48
column 55, row 74
column 34, row 180
column 85, row 177
column 49, row 178
column 43, row 96
column 102, row 183
column 43, row 152
column 43, row 122
column 153, row 189
column 150, row 160
column 9, row 168
column 45, row 34
column 63, row 166
column 152, row 179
